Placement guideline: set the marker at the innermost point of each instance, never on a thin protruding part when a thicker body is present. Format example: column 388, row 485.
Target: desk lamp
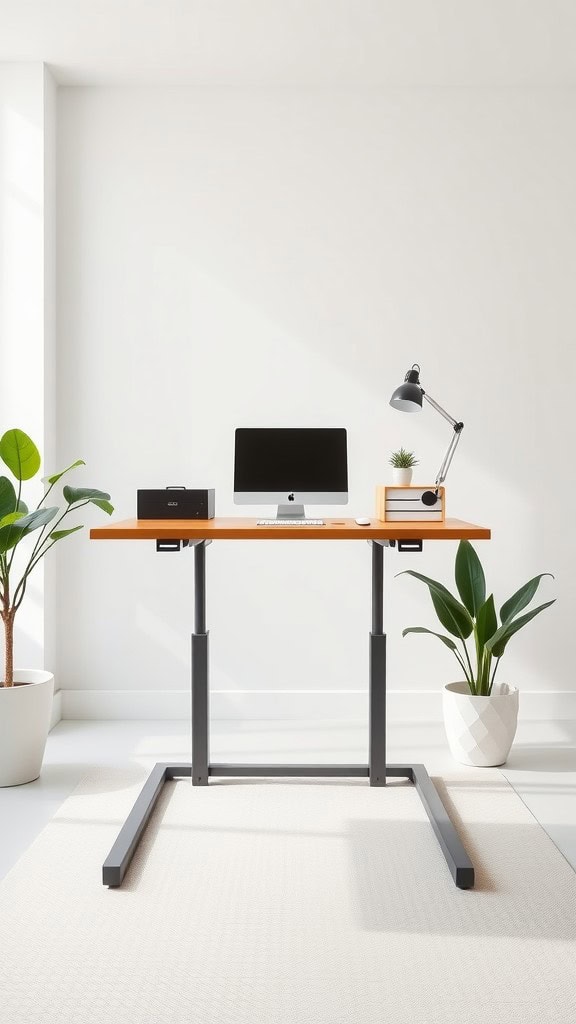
column 408, row 398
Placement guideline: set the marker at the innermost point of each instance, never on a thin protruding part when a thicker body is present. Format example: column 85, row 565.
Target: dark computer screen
column 312, row 459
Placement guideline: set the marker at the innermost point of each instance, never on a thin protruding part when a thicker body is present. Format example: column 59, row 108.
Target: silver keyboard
column 290, row 522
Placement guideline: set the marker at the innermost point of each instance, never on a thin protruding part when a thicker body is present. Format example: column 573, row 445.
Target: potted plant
column 480, row 715
column 26, row 694
column 402, row 463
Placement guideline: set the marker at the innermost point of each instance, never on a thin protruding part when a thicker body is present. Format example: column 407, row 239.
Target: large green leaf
column 7, row 496
column 74, row 494
column 9, row 537
column 470, row 578
column 420, row 629
column 59, row 534
column 8, row 501
column 104, row 505
column 56, row 476
column 497, row 643
column 452, row 615
column 486, row 621
column 521, row 598
column 12, row 517
column 427, row 580
column 40, row 517
column 12, row 534
column 20, row 454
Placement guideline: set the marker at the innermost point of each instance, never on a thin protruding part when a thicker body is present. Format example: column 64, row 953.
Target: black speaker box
column 176, row 503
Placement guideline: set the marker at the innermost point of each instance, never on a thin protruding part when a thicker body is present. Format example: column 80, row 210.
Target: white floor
column 541, row 768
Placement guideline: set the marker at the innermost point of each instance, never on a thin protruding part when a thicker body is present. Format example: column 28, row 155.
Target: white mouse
column 362, row 521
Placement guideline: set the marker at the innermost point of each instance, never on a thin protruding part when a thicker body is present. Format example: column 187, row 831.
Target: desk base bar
column 295, row 771
column 118, row 860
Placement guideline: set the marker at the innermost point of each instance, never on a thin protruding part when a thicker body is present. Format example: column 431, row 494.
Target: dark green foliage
column 476, row 617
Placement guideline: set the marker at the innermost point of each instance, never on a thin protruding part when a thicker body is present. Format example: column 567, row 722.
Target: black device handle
column 409, row 545
column 168, row 545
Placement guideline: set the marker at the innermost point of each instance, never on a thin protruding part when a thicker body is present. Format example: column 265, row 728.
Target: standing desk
column 173, row 535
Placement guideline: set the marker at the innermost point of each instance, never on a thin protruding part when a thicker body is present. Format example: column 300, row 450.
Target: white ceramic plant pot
column 480, row 730
column 25, row 711
column 401, row 477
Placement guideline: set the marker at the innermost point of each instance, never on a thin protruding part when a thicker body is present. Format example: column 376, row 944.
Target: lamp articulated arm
column 458, row 428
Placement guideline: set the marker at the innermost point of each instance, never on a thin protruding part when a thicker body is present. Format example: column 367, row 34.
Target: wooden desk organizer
column 404, row 504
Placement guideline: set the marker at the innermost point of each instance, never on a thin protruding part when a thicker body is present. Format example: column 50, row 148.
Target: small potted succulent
column 402, row 463
column 480, row 715
column 26, row 694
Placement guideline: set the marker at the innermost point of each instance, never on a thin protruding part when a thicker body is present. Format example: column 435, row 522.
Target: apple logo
column 290, row 497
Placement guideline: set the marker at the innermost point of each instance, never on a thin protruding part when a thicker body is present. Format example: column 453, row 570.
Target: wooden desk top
column 237, row 528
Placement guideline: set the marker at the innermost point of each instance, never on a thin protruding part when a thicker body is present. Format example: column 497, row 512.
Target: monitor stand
column 290, row 512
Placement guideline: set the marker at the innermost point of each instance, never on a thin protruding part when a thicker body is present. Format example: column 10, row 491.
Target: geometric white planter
column 401, row 477
column 25, row 712
column 480, row 730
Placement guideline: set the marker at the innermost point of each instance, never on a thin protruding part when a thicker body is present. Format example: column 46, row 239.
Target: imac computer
column 287, row 466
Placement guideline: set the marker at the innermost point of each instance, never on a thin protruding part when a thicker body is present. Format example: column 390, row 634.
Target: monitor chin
column 291, row 506
column 291, row 498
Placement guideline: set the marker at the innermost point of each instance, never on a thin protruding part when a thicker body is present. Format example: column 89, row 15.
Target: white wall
column 27, row 334
column 50, row 351
column 231, row 258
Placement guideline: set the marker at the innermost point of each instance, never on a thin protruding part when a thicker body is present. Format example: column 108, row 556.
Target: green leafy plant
column 402, row 459
column 475, row 616
column 22, row 457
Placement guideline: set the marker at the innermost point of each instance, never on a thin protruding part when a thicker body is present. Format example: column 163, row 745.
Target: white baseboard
column 56, row 709
column 341, row 705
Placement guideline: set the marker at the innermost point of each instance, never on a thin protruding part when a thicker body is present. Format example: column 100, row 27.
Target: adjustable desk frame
column 200, row 769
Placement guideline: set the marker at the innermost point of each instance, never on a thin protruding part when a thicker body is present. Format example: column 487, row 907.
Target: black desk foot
column 118, row 860
column 455, row 855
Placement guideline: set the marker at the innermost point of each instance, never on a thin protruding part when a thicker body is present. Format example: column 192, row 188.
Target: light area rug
column 293, row 902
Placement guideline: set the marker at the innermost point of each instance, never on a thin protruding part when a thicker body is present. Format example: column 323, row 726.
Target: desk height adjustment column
column 377, row 724
column 200, row 709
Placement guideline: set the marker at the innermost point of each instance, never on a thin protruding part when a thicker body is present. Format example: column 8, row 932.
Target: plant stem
column 18, row 602
column 7, row 616
column 462, row 666
column 39, row 551
column 38, row 543
column 10, row 559
column 44, row 496
column 485, row 674
column 478, row 661
column 494, row 673
column 472, row 680
column 9, row 648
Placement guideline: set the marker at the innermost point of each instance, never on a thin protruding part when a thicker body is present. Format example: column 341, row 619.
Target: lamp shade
column 408, row 397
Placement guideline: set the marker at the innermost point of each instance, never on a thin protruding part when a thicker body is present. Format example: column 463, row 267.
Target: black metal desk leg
column 200, row 709
column 377, row 726
column 457, row 859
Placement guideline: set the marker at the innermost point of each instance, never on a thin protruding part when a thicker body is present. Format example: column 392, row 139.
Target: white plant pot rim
column 28, row 676
column 461, row 690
